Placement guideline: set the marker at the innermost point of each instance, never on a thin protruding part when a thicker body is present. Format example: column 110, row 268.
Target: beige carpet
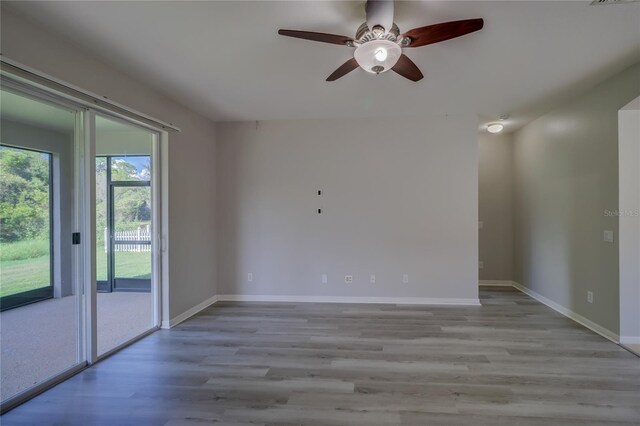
column 39, row 340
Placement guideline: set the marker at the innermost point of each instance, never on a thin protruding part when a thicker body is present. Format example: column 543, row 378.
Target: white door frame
column 629, row 221
column 88, row 170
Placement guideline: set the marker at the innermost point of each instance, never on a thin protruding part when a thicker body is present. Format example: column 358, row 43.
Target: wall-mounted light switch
column 250, row 277
column 405, row 279
column 373, row 279
column 324, row 278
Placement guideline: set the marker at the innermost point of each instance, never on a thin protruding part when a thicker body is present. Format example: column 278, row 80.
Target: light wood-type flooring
column 512, row 361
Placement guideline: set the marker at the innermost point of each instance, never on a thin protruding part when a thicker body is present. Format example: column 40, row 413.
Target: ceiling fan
column 379, row 43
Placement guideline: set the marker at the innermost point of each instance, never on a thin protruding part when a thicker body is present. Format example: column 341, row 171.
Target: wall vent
column 594, row 2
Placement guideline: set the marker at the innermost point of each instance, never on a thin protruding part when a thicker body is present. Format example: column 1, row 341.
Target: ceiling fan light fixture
column 495, row 127
column 380, row 54
column 377, row 56
column 379, row 43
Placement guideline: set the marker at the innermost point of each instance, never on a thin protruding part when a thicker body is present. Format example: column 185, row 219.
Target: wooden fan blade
column 441, row 32
column 321, row 37
column 379, row 12
column 406, row 68
column 343, row 70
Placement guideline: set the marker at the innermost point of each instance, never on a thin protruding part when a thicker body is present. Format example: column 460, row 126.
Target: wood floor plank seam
column 510, row 361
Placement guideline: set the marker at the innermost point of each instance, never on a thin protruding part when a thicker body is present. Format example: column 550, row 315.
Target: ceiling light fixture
column 495, row 127
column 377, row 56
column 381, row 54
column 379, row 42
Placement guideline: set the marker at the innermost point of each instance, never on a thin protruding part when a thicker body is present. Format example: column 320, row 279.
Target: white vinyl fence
column 143, row 233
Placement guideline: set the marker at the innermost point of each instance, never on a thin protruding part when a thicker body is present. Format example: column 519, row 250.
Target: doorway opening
column 123, row 214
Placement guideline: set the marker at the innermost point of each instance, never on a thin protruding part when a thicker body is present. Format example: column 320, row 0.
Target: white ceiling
column 226, row 60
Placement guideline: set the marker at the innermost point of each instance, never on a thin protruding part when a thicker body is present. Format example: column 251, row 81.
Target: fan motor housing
column 364, row 34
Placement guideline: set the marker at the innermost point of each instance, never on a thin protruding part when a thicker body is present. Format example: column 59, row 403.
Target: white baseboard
column 630, row 340
column 187, row 314
column 315, row 299
column 606, row 333
column 348, row 299
column 496, row 283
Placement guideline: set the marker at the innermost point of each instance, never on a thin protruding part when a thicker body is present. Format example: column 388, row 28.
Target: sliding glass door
column 72, row 289
column 124, row 232
column 40, row 301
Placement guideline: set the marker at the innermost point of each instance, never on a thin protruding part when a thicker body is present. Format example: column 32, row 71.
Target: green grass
column 17, row 276
column 22, row 250
column 24, row 265
column 128, row 264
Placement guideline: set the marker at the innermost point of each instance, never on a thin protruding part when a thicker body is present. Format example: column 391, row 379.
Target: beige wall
column 399, row 197
column 495, row 209
column 566, row 176
column 192, row 255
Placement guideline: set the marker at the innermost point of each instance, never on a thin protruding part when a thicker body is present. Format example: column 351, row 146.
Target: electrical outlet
column 373, row 279
column 608, row 236
column 481, row 264
column 590, row 296
column 405, row 279
column 324, row 278
column 348, row 279
column 250, row 277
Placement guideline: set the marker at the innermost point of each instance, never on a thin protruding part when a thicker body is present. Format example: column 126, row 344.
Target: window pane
column 126, row 300
column 131, row 208
column 25, row 227
column 132, row 220
column 134, row 168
